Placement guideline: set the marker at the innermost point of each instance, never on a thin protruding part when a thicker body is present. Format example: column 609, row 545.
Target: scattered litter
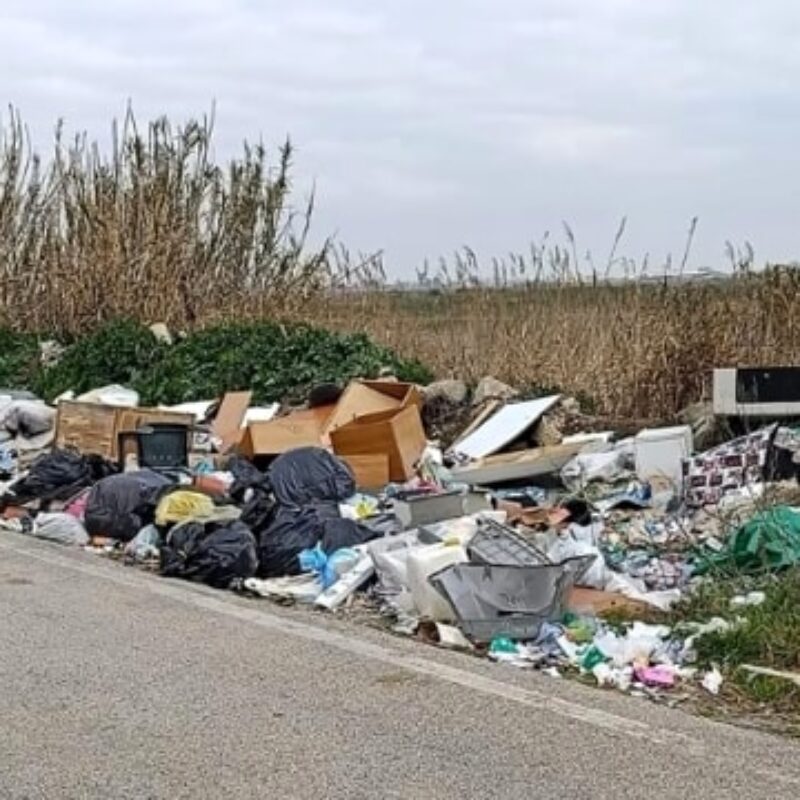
column 749, row 599
column 712, row 681
column 519, row 543
column 145, row 546
column 793, row 677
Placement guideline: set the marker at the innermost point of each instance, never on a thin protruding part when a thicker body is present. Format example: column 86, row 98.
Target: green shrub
column 119, row 352
column 19, row 354
column 277, row 362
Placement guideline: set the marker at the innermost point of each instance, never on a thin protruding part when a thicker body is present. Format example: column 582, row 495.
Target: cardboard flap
column 228, row 422
column 363, row 398
column 371, row 471
column 398, row 434
column 301, row 429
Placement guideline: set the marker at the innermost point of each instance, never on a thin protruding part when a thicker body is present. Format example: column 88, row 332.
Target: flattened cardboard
column 518, row 466
column 399, row 434
column 594, row 601
column 301, row 429
column 228, row 423
column 362, row 398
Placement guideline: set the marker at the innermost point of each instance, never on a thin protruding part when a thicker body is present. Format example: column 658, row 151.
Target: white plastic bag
column 112, row 395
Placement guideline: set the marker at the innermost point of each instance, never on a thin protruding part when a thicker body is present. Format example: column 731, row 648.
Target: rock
column 564, row 419
column 549, row 431
column 446, row 410
column 451, row 391
column 161, row 332
column 50, row 353
column 491, row 389
column 706, row 428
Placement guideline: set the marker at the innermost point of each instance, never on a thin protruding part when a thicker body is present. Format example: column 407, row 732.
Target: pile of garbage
column 514, row 541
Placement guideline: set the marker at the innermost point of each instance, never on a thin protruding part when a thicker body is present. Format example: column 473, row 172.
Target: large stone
column 161, row 332
column 491, row 389
column 50, row 352
column 452, row 391
column 707, row 430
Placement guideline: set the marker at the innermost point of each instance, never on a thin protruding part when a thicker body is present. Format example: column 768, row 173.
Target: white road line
column 215, row 603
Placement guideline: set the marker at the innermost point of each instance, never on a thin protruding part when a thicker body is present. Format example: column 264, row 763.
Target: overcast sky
column 429, row 124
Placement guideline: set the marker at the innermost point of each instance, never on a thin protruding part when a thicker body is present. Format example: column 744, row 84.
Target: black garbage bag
column 308, row 484
column 246, row 475
column 310, row 475
column 252, row 491
column 258, row 510
column 293, row 530
column 215, row 553
column 58, row 475
column 121, row 505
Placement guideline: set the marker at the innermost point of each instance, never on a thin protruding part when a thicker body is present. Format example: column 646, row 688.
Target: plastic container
column 659, row 454
column 500, row 545
column 491, row 601
column 424, row 562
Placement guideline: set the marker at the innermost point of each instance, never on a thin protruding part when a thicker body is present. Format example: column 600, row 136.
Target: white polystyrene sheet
column 198, row 409
column 509, row 423
column 260, row 414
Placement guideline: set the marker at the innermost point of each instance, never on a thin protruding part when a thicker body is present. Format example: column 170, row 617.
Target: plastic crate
column 499, row 545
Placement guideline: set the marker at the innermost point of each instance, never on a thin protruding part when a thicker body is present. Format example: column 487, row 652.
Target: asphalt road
column 119, row 684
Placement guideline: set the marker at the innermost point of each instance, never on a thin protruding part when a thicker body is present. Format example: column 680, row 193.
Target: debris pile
column 516, row 539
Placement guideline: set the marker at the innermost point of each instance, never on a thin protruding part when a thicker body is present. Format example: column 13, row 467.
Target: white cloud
column 427, row 125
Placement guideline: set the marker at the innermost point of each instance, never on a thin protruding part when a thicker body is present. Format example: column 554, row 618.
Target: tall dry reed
column 157, row 231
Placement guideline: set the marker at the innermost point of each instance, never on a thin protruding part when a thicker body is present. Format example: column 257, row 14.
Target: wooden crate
column 94, row 428
column 87, row 427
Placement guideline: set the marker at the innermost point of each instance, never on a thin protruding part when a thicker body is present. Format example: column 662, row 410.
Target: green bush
column 119, row 352
column 277, row 362
column 19, row 353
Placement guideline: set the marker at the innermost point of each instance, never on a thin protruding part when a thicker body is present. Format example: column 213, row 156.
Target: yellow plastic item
column 179, row 506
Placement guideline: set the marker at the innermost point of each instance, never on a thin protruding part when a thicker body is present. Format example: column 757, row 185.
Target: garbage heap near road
column 513, row 541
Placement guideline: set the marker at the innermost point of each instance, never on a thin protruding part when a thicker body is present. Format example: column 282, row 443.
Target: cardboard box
column 362, row 398
column 228, row 423
column 526, row 464
column 87, row 427
column 301, row 429
column 370, row 471
column 398, row 434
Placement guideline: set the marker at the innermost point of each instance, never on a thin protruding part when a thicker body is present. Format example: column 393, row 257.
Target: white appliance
column 659, row 453
column 757, row 392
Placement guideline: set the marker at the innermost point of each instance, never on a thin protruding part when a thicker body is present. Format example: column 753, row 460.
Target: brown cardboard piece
column 519, row 465
column 362, row 398
column 228, row 423
column 594, row 601
column 301, row 429
column 370, row 471
column 397, row 433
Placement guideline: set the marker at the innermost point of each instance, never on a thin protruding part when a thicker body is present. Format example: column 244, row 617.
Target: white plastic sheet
column 509, row 423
